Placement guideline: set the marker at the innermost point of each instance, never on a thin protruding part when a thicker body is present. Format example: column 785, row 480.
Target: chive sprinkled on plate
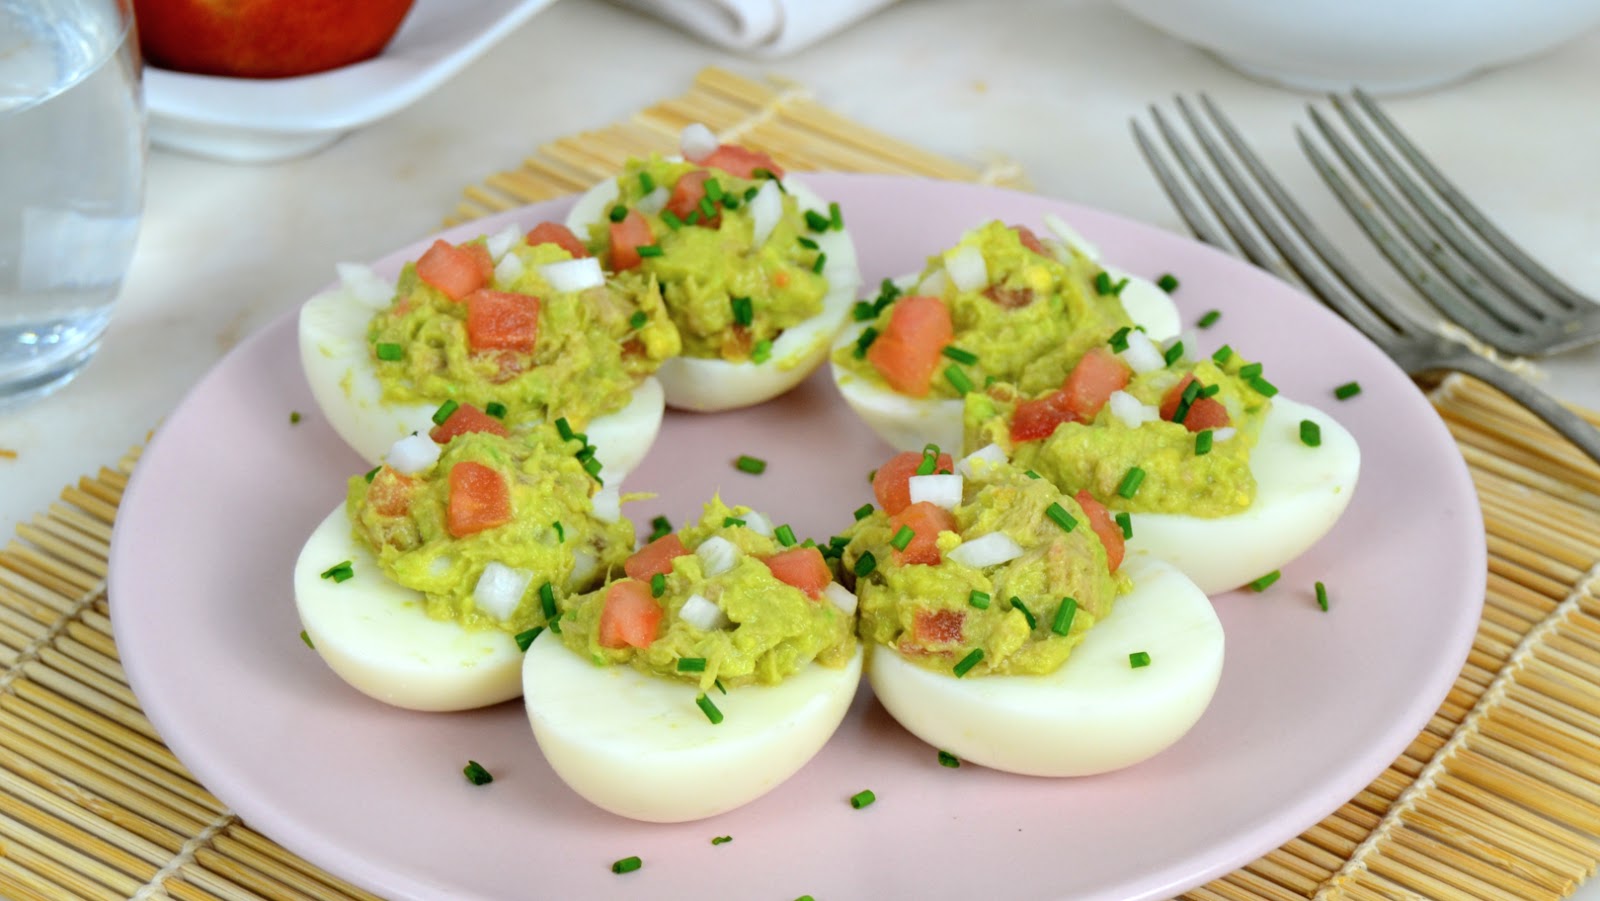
column 709, row 709
column 929, row 461
column 718, row 684
column 660, row 527
column 637, row 320
column 647, row 183
column 948, row 759
column 1322, row 596
column 339, row 572
column 1016, row 604
column 816, row 221
column 722, row 840
column 1250, row 370
column 390, row 352
column 561, row 532
column 617, row 213
column 525, row 639
column 648, row 250
column 1263, row 387
column 1262, row 583
column 445, row 411
column 713, row 189
column 762, row 352
column 903, row 538
column 964, row 357
column 1102, row 283
column 1131, row 480
column 691, row 664
column 564, row 429
column 1347, row 390
column 1202, row 442
column 1062, row 624
column 1125, row 523
column 476, row 774
column 809, row 244
column 307, row 638
column 1119, row 339
column 671, row 219
column 372, row 473
column 785, row 535
column 1173, row 354
column 864, row 341
column 1059, row 515
column 863, row 311
column 1222, row 355
column 863, row 511
column 547, row 600
column 731, row 521
column 865, row 564
column 968, row 662
column 1138, row 659
column 862, row 798
column 957, row 379
column 744, row 311
column 819, row 263
column 707, row 209
column 979, row 599
column 752, row 465
column 835, row 217
column 294, row 417
column 627, row 865
column 1209, row 319
column 1310, row 433
column 658, row 585
column 1167, row 282
column 496, row 409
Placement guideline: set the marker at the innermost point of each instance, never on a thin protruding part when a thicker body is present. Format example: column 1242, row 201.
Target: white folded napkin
column 760, row 27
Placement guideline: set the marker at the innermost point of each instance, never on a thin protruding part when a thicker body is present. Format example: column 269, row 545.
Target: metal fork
column 1526, row 312
column 1415, row 347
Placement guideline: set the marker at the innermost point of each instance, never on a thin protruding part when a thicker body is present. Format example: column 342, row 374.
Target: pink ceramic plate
column 1311, row 707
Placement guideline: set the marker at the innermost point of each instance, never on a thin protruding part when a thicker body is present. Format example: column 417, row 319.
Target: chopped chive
column 1102, row 283
column 1250, row 370
column 948, row 759
column 730, row 201
column 617, row 213
column 647, row 182
column 903, row 538
column 1131, row 482
column 816, row 221
column 339, row 572
column 964, row 357
column 1064, row 616
column 872, row 477
column 713, row 189
column 691, row 664
column 862, row 798
column 968, row 662
column 1119, row 339
column 547, row 600
column 496, row 409
column 750, row 193
column 744, row 311
column 1347, row 390
column 390, row 352
column 706, row 209
column 807, row 243
column 637, row 320
column 564, row 429
column 838, row 541
column 476, row 774
column 1016, row 604
column 863, row 511
column 718, row 684
column 1168, row 283
column 821, row 261
column 660, row 527
column 555, row 625
column 585, row 453
column 1263, row 387
column 1322, row 597
column 307, row 638
column 294, row 417
column 627, row 865
column 524, row 639
column 865, row 564
column 764, row 172
column 835, row 218
column 722, row 840
column 1125, row 523
column 730, row 521
column 1202, row 442
column 658, row 585
column 709, row 709
column 561, row 533
column 888, row 291
column 1222, row 355
column 1031, row 474
column 863, row 311
column 444, row 412
column 1174, row 353
column 762, row 352
column 1059, row 515
column 753, row 465
column 372, row 473
column 1310, row 433
column 929, row 461
column 1262, row 583
column 1138, row 659
column 785, row 535
column 648, row 250
column 868, row 335
column 671, row 219
column 957, row 378
column 979, row 599
column 1209, row 319
column 1210, row 390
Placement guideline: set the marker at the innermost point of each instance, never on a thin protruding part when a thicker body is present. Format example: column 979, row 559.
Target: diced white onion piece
column 966, row 267
column 1070, row 236
column 758, row 523
column 502, row 241
column 766, row 209
column 573, row 275
column 653, row 202
column 508, row 270
column 940, row 490
column 440, row 565
column 841, row 597
column 1133, row 414
column 367, row 286
column 697, row 142
column 584, row 567
column 934, row 284
column 717, row 555
column 500, row 589
column 1223, row 434
column 607, row 504
column 1142, row 354
column 982, row 459
column 412, row 454
column 988, row 550
column 702, row 614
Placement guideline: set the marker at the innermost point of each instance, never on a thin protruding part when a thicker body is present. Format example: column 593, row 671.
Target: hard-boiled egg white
column 1301, row 492
column 338, row 365
column 709, row 385
column 1097, row 712
column 639, row 746
column 909, row 423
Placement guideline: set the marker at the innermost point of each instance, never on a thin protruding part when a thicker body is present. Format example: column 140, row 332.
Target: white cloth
column 768, row 28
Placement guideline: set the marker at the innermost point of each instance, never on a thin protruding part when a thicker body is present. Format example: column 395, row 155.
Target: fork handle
column 1571, row 426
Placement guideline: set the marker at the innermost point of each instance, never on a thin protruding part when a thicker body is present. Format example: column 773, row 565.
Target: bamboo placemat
column 1496, row 797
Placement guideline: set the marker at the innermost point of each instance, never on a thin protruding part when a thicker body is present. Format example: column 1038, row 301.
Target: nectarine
column 264, row 38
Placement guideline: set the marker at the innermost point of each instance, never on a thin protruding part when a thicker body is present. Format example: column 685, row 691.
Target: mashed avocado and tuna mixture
column 1162, row 435
column 1007, row 580
column 506, row 336
column 718, row 602
column 734, row 253
column 493, row 530
column 1010, row 308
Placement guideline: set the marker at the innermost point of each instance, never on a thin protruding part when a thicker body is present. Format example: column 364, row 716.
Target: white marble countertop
column 227, row 248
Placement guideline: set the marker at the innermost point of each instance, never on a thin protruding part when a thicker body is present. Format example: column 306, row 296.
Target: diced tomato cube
column 1028, row 238
column 802, row 567
column 938, row 626
column 456, row 271
column 479, row 499
column 1040, row 417
column 1097, row 375
column 907, row 353
column 926, row 521
column 686, row 196
column 1100, row 520
column 559, row 235
column 741, row 161
column 1204, row 413
column 501, row 320
column 891, row 484
column 630, row 616
column 655, row 557
column 389, row 493
column 466, row 418
column 627, row 236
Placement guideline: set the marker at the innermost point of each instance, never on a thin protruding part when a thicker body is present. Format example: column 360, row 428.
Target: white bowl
column 1382, row 46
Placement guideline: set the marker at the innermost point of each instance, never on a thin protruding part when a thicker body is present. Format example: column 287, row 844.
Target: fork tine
column 1172, row 186
column 1361, row 304
column 1469, row 213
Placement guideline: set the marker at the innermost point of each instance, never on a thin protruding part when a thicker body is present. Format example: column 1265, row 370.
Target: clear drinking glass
column 72, row 150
